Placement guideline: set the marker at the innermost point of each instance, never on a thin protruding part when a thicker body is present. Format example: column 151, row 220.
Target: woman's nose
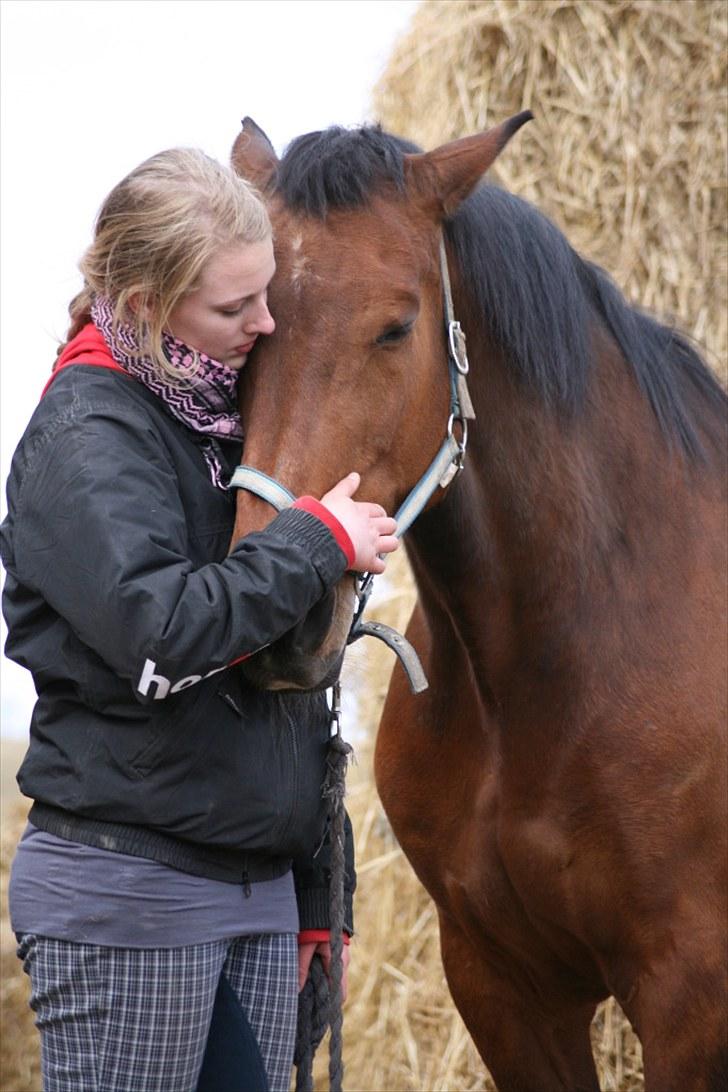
column 260, row 321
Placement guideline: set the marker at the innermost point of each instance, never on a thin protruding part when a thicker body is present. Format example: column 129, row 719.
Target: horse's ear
column 440, row 180
column 253, row 156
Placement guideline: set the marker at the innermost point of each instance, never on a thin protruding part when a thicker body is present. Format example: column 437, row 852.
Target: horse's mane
column 537, row 294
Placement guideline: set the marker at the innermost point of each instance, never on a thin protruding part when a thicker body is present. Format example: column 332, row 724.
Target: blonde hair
column 153, row 236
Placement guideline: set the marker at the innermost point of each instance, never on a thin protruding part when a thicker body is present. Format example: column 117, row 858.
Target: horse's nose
column 296, row 660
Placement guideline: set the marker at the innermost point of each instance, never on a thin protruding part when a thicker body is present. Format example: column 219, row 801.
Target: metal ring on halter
column 463, row 442
column 458, row 346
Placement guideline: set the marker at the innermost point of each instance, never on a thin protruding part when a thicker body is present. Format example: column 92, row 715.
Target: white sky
column 90, row 88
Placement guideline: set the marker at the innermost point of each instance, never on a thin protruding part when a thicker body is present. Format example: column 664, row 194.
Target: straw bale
column 19, row 1053
column 627, row 152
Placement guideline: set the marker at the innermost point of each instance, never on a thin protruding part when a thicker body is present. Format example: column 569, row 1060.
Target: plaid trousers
column 137, row 1019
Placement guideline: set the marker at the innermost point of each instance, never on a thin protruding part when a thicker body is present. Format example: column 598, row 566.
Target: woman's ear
column 139, row 305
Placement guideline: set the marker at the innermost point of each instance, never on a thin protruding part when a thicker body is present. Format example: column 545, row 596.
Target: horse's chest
column 504, row 873
column 505, row 878
column 443, row 807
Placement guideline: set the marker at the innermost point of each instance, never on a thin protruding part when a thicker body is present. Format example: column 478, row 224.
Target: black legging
column 232, row 1062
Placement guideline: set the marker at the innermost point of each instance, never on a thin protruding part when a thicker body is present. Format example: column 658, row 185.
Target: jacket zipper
column 296, row 773
column 230, row 700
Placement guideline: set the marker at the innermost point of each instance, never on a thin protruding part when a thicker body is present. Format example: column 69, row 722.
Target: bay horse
column 560, row 789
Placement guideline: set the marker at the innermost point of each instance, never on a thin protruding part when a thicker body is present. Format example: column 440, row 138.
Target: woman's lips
column 242, row 349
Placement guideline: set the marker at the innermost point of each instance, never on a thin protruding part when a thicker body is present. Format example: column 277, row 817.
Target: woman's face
column 228, row 310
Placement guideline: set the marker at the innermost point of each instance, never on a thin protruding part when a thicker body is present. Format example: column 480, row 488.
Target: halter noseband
column 448, row 461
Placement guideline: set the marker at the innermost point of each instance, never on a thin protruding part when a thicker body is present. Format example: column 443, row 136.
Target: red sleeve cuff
column 310, row 504
column 318, row 936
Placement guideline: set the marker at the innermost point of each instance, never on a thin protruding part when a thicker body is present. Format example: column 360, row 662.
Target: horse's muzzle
column 309, row 656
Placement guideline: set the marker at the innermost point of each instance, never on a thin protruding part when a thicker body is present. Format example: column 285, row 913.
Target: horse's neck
column 543, row 540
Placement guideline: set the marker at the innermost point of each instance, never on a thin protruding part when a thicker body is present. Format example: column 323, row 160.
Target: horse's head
column 355, row 376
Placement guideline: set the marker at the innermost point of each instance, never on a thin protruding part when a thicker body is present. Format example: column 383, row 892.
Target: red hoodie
column 87, row 347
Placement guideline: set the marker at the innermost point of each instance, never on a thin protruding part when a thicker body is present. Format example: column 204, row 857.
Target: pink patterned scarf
column 205, row 402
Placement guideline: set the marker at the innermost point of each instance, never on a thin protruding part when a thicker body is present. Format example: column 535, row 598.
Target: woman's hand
column 368, row 526
column 307, row 951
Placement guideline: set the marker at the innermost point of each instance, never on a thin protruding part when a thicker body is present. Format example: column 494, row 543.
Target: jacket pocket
column 169, row 728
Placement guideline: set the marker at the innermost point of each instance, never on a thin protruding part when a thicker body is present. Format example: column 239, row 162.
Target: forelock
column 340, row 168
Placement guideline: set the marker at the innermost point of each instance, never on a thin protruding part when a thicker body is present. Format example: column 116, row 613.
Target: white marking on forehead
column 299, row 266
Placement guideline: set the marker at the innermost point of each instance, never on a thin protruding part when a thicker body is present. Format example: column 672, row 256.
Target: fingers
column 377, row 564
column 347, row 487
column 305, row 955
column 387, row 544
column 371, row 531
column 382, row 541
column 384, row 524
column 372, row 510
column 323, row 949
column 374, row 559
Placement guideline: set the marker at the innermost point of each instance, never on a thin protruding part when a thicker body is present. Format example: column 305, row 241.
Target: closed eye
column 394, row 334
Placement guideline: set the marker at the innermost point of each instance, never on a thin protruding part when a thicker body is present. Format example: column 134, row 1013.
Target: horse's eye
column 394, row 334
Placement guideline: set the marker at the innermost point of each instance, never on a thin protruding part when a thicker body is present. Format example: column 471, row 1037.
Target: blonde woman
column 169, row 857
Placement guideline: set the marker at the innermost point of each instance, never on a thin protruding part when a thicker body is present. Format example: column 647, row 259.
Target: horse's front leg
column 679, row 1013
column 530, row 1040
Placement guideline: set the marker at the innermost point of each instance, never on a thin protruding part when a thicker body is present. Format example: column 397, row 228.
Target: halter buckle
column 458, row 346
column 335, row 710
column 462, row 443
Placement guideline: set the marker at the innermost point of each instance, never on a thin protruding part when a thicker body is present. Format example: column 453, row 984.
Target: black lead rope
column 320, row 1000
column 335, row 789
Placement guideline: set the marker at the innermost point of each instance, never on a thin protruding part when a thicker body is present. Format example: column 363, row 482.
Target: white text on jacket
column 164, row 685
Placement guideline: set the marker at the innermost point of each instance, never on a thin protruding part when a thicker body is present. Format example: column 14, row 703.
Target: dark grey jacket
column 121, row 600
